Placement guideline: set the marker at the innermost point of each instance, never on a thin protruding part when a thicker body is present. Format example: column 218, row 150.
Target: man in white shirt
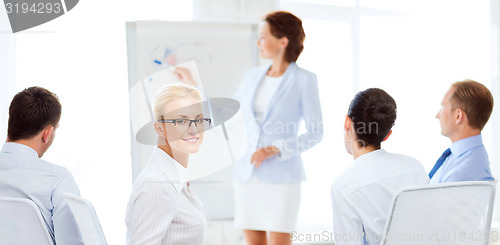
column 362, row 195
column 34, row 115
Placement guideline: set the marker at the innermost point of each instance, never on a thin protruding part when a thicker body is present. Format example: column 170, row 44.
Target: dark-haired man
column 361, row 196
column 466, row 108
column 34, row 115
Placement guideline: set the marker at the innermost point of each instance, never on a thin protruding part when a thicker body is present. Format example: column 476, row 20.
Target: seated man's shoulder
column 46, row 166
column 470, row 167
column 472, row 160
column 475, row 155
column 382, row 167
column 403, row 159
column 60, row 176
column 349, row 181
column 399, row 163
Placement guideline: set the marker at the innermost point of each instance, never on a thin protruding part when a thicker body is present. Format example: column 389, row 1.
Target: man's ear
column 387, row 136
column 46, row 133
column 460, row 117
column 347, row 123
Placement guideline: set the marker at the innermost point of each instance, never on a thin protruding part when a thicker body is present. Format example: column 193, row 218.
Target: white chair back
column 87, row 220
column 449, row 213
column 22, row 223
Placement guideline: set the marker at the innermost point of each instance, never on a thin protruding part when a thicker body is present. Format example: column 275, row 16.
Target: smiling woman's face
column 185, row 138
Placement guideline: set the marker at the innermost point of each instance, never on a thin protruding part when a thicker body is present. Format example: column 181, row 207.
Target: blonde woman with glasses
column 162, row 208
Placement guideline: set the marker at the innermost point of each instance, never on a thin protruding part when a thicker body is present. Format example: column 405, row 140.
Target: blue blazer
column 295, row 100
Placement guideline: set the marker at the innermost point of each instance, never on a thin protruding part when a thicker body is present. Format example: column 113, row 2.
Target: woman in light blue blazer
column 275, row 99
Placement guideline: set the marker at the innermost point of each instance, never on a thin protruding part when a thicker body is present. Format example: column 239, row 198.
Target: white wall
column 495, row 80
column 248, row 10
column 7, row 70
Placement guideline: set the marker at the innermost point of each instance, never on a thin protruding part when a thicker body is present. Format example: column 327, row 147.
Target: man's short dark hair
column 30, row 111
column 373, row 112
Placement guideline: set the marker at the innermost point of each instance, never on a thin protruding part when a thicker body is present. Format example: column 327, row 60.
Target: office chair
column 87, row 220
column 449, row 213
column 22, row 223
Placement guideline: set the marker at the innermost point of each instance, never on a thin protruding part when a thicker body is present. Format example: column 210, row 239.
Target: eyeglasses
column 186, row 123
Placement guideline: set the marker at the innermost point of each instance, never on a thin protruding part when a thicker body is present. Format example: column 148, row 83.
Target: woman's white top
column 362, row 195
column 264, row 93
column 162, row 209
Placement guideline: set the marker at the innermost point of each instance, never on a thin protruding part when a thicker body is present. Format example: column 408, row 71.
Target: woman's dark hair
column 373, row 113
column 285, row 24
column 30, row 111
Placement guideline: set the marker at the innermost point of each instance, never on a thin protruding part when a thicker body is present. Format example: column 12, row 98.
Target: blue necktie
column 439, row 162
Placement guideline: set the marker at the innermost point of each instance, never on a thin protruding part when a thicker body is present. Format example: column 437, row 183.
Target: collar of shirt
column 168, row 165
column 460, row 147
column 361, row 158
column 16, row 148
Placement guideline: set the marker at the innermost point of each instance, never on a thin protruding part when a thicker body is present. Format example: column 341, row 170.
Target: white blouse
column 362, row 195
column 264, row 93
column 162, row 209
